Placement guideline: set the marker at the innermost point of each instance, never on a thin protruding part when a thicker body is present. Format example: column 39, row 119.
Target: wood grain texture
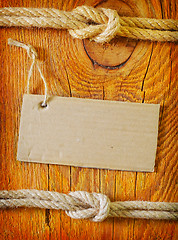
column 148, row 76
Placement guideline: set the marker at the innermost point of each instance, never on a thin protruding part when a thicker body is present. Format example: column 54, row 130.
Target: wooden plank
column 70, row 72
column 13, row 174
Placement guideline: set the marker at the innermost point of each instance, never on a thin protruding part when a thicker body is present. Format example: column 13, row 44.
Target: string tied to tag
column 32, row 53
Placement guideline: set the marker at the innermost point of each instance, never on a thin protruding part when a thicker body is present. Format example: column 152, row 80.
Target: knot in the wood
column 93, row 206
column 101, row 25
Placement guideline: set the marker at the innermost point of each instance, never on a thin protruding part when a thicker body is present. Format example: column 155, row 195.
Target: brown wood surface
column 135, row 72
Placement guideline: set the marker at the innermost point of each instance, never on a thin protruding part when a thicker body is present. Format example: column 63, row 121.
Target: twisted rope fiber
column 84, row 205
column 100, row 25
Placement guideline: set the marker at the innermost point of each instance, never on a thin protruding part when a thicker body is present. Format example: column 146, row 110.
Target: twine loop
column 94, row 206
column 32, row 53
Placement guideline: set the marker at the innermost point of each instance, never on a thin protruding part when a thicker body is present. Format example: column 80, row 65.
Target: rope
column 100, row 25
column 84, row 205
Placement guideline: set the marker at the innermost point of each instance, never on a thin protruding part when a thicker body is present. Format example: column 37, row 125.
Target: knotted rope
column 84, row 205
column 100, row 25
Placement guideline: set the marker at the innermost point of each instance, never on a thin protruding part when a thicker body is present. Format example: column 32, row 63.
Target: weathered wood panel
column 148, row 76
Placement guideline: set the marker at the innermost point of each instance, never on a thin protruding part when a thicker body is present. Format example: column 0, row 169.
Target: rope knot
column 104, row 24
column 93, row 206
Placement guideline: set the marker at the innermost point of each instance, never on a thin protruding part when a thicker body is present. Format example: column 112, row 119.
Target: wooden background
column 134, row 71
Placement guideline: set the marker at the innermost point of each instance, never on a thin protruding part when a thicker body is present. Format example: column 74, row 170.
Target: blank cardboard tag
column 89, row 133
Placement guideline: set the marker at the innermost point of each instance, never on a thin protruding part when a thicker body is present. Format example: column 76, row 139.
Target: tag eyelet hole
column 43, row 105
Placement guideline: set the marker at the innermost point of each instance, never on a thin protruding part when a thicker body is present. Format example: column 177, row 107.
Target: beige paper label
column 89, row 133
